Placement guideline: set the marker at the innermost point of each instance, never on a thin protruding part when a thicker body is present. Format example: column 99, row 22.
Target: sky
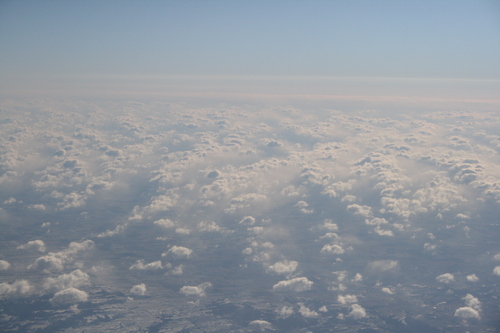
column 246, row 166
column 53, row 45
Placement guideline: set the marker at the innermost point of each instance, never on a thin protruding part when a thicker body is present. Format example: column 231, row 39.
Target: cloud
column 37, row 245
column 332, row 249
column 110, row 233
column 4, row 265
column 496, row 270
column 69, row 296
column 467, row 312
column 306, row 312
column 198, row 290
column 383, row 265
column 55, row 261
column 283, row 267
column 138, row 289
column 387, row 290
column 286, row 311
column 357, row 312
column 179, row 252
column 445, row 278
column 17, row 288
column 152, row 266
column 347, row 299
column 75, row 279
column 261, row 324
column 296, row 285
column 472, row 278
column 165, row 223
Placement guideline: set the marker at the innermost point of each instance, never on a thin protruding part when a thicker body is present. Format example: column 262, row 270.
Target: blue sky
column 403, row 39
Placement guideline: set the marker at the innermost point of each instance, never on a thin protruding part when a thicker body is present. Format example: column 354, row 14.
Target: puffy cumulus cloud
column 283, row 267
column 109, row 233
column 306, row 312
column 328, row 224
column 75, row 279
column 472, row 278
column 466, row 312
column 496, row 270
column 472, row 302
column 55, row 261
column 360, row 210
column 472, row 308
column 387, row 290
column 152, row 266
column 296, row 285
column 73, row 200
column 286, row 311
column 210, row 226
column 445, row 278
column 69, row 296
column 37, row 245
column 383, row 265
column 17, row 288
column 138, row 289
column 261, row 325
column 165, row 223
column 179, row 252
column 357, row 312
column 332, row 249
column 346, row 299
column 382, row 232
column 4, row 265
column 198, row 290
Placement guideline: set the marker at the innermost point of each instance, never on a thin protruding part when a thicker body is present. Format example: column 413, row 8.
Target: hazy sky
column 43, row 40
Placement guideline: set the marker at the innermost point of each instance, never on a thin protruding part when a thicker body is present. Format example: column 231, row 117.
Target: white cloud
column 347, row 299
column 110, row 233
column 4, row 265
column 138, row 289
column 329, row 225
column 75, row 279
column 139, row 265
column 445, row 278
column 9, row 201
column 306, row 312
column 283, row 267
column 383, row 265
column 332, row 249
column 165, row 223
column 286, row 311
column 69, row 296
column 37, row 245
column 55, row 261
column 472, row 278
column 209, row 226
column 467, row 312
column 198, row 290
column 261, row 325
column 248, row 251
column 357, row 278
column 179, row 252
column 296, row 285
column 357, row 312
column 473, row 302
column 496, row 270
column 360, row 210
column 17, row 288
column 387, row 290
column 248, row 220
